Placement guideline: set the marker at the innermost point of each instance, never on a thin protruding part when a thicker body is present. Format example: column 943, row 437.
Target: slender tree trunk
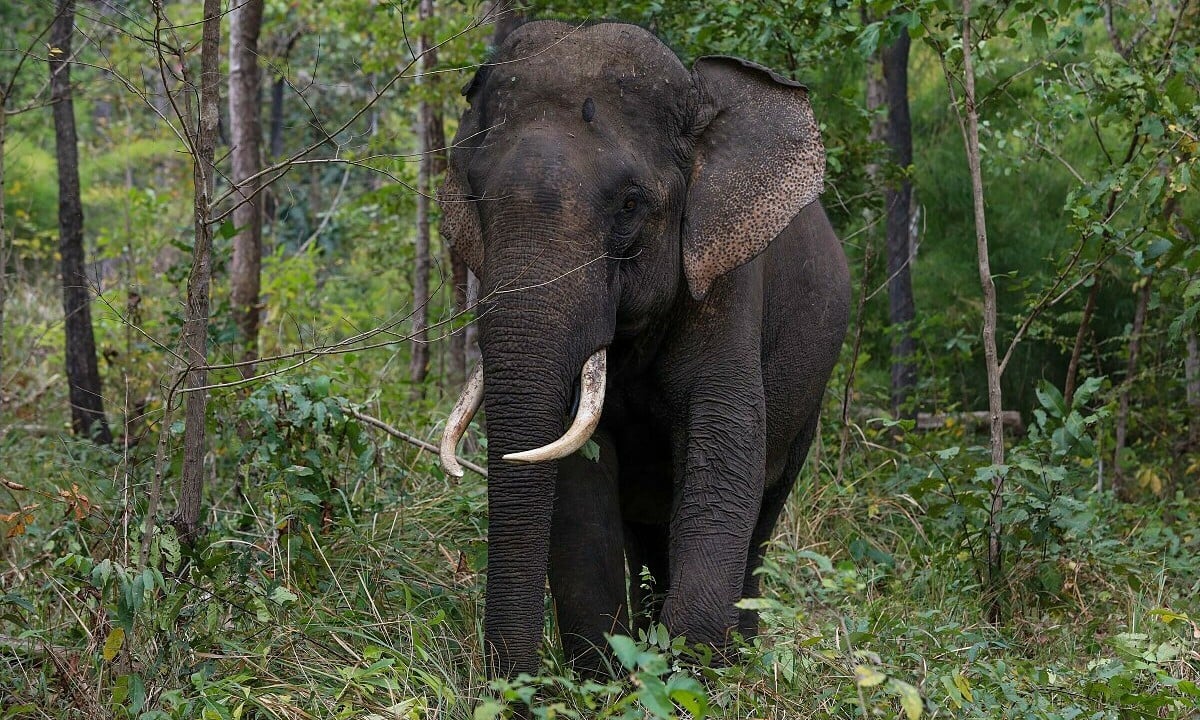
column 83, row 372
column 471, row 335
column 1119, row 485
column 1191, row 365
column 991, row 358
column 901, row 309
column 506, row 19
column 5, row 245
column 1089, row 308
column 195, row 326
column 420, row 346
column 458, row 340
column 245, row 108
column 276, row 144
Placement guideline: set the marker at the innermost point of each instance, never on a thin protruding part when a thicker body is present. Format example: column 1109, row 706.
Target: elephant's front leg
column 587, row 562
column 721, row 466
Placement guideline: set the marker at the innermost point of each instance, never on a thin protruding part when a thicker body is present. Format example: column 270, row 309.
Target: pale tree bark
column 1119, row 484
column 245, row 109
column 898, row 200
column 970, row 130
column 419, row 367
column 195, row 325
column 83, row 372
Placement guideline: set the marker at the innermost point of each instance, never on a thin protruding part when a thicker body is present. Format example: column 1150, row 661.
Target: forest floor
column 342, row 577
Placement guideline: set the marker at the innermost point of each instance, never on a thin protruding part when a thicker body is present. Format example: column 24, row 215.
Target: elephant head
column 594, row 185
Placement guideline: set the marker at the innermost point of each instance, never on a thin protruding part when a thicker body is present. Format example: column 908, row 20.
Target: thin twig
column 413, row 440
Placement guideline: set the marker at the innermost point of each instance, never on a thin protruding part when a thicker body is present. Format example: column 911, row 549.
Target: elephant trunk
column 592, row 380
column 532, row 357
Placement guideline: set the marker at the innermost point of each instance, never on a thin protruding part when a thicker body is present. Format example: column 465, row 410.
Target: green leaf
column 689, row 693
column 113, row 643
column 1051, row 398
column 654, row 697
column 910, row 698
column 866, row 676
column 757, row 604
column 590, row 451
column 1039, row 29
column 488, row 710
column 282, row 596
column 625, row 649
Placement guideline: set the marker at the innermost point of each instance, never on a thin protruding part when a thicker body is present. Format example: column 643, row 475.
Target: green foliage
column 296, row 443
column 341, row 574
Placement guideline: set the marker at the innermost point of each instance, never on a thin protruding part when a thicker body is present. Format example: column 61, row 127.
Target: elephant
column 657, row 275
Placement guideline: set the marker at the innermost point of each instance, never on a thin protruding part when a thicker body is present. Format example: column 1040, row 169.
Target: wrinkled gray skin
column 677, row 226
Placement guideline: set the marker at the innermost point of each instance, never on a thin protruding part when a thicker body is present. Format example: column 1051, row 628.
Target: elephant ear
column 460, row 216
column 758, row 161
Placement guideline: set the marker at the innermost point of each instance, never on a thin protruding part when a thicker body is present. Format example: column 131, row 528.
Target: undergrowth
column 342, row 577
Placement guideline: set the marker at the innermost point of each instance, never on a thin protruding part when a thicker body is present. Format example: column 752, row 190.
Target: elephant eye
column 631, row 203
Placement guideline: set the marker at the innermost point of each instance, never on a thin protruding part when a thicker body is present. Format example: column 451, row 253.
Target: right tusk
column 591, row 402
column 460, row 417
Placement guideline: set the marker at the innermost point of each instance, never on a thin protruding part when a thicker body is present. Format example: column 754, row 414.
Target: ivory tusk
column 591, row 402
column 460, row 417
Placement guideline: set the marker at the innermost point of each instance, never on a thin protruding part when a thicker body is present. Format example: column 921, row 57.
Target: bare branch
column 413, row 440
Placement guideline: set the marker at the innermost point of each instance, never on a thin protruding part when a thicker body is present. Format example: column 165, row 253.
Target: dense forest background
column 227, row 324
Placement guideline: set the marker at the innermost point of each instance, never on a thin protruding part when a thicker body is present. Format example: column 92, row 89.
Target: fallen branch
column 413, row 440
column 974, row 420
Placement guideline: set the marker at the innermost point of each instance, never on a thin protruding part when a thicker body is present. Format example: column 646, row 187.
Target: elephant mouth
column 589, row 405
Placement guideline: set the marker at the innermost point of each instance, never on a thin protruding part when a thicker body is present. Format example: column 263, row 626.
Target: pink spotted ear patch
column 757, row 164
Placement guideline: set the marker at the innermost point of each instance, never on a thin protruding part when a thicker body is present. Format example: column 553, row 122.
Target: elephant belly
column 806, row 310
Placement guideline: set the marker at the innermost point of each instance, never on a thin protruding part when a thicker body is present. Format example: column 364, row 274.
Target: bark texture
column 245, row 107
column 995, row 560
column 5, row 245
column 1120, row 487
column 898, row 199
column 426, row 59
column 1089, row 308
column 1191, row 367
column 83, row 372
column 195, row 325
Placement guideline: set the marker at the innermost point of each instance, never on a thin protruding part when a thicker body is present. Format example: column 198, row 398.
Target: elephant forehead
column 550, row 66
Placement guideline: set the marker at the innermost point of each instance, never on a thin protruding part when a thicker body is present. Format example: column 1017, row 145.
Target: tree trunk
column 245, row 107
column 420, row 336
column 83, row 372
column 471, row 335
column 901, row 309
column 1191, row 365
column 276, row 143
column 5, row 245
column 995, row 560
column 1135, row 343
column 1089, row 308
column 458, row 340
column 506, row 19
column 195, row 325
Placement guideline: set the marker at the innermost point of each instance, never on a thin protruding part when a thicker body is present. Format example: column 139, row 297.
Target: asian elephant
column 654, row 263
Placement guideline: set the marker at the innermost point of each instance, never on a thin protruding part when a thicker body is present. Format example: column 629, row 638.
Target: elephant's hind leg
column 774, row 499
column 587, row 560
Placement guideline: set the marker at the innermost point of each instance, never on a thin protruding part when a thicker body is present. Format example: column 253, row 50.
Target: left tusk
column 465, row 409
column 591, row 402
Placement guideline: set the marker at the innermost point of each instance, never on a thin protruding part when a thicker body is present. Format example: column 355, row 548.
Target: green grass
column 342, row 576
column 377, row 611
